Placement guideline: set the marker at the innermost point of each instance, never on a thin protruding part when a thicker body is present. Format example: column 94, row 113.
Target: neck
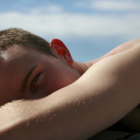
column 81, row 68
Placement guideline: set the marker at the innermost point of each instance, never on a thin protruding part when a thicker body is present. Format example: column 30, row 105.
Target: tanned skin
column 94, row 95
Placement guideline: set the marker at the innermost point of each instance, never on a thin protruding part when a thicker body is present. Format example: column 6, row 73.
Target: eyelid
column 27, row 78
column 38, row 69
column 35, row 85
column 38, row 74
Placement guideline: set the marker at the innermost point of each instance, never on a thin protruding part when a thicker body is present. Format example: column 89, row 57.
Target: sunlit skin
column 29, row 74
column 48, row 74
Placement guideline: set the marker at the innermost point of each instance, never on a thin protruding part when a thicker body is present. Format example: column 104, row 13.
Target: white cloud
column 110, row 5
column 67, row 25
column 47, row 9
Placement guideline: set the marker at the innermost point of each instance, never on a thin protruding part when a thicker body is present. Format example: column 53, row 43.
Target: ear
column 59, row 47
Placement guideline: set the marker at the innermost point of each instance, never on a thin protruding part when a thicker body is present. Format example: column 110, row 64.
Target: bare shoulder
column 122, row 67
column 103, row 95
column 118, row 49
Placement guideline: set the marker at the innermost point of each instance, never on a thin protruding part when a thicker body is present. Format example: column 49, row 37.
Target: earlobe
column 61, row 50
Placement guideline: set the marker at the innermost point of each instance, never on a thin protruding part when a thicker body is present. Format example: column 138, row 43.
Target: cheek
column 61, row 80
column 48, row 86
column 52, row 84
column 56, row 82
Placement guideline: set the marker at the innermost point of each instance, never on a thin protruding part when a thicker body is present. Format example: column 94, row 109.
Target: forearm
column 42, row 119
column 61, row 116
column 102, row 96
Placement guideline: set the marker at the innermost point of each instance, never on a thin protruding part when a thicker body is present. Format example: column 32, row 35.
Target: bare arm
column 118, row 49
column 103, row 95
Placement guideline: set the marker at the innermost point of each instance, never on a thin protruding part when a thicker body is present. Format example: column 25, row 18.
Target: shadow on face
column 26, row 73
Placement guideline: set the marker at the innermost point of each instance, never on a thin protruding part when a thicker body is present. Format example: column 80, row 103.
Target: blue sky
column 89, row 28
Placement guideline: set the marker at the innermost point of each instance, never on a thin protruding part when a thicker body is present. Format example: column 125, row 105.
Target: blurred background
column 89, row 28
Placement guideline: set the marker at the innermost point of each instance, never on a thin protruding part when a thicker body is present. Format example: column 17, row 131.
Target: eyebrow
column 25, row 81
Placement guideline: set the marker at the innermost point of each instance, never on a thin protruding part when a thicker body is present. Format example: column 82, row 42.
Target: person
column 59, row 98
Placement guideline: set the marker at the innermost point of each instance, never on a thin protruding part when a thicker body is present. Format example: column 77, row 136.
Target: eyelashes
column 35, row 80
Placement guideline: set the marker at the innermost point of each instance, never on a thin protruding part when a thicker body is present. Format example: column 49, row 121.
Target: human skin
column 48, row 75
column 104, row 93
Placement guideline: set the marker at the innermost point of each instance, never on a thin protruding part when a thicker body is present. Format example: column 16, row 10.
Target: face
column 26, row 73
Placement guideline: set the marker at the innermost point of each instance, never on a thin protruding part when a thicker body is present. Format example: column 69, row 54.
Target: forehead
column 12, row 53
column 17, row 57
column 11, row 58
column 21, row 54
column 16, row 62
